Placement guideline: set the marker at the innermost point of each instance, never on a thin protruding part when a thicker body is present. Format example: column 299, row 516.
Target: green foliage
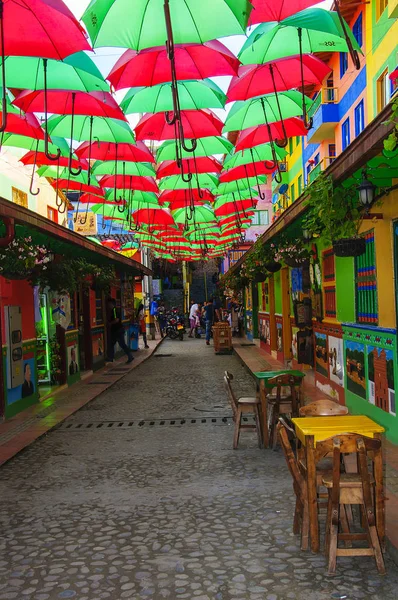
column 21, row 258
column 55, row 360
column 391, row 142
column 66, row 275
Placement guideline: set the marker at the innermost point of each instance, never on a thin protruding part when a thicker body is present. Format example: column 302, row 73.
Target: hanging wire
column 283, row 142
column 308, row 121
column 33, row 173
column 79, row 170
column 50, row 156
column 260, row 193
column 278, row 175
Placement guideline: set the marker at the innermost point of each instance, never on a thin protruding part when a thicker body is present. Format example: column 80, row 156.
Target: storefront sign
column 86, row 223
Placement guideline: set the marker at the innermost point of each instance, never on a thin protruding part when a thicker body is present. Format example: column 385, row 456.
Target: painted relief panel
column 381, row 381
column 321, row 353
column 355, row 368
column 336, row 360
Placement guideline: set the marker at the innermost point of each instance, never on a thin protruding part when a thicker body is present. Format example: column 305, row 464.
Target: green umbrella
column 93, row 239
column 265, row 109
column 63, row 173
column 76, row 72
column 104, row 129
column 109, row 167
column 239, row 185
column 176, row 182
column 141, row 24
column 111, row 210
column 200, row 214
column 21, row 141
column 207, row 146
column 130, row 195
column 257, row 154
column 193, row 95
column 246, row 194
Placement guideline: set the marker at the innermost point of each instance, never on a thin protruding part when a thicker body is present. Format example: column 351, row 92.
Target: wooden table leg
column 379, row 494
column 264, row 413
column 312, row 493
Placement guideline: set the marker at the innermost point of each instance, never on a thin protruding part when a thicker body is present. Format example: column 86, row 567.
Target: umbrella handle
column 84, row 220
column 260, row 193
column 48, row 154
column 3, row 71
column 284, row 141
column 308, row 121
column 79, row 170
column 353, row 53
column 33, row 173
column 186, row 148
column 170, row 121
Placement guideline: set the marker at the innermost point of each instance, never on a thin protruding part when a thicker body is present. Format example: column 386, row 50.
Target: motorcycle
column 175, row 327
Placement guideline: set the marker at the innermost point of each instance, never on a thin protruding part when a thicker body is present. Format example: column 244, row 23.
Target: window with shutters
column 366, row 283
column 329, row 283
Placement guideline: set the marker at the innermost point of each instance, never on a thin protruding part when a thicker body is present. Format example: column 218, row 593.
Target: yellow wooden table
column 311, row 430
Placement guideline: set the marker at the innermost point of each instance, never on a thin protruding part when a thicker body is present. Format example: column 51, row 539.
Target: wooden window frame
column 329, row 284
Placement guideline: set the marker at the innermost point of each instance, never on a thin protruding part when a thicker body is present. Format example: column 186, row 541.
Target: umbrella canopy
column 196, row 124
column 105, row 130
column 277, row 10
column 143, row 184
column 176, row 182
column 193, row 95
column 200, row 214
column 110, row 167
column 138, row 152
column 153, row 216
column 280, row 75
column 205, row 147
column 20, row 141
column 204, row 164
column 254, row 136
column 231, row 208
column 140, row 24
column 76, row 72
column 247, row 171
column 64, row 102
column 63, row 173
column 132, row 195
column 240, row 185
column 257, row 154
column 186, row 195
column 269, row 108
column 39, row 158
column 23, row 125
column 248, row 194
column 70, row 185
column 192, row 61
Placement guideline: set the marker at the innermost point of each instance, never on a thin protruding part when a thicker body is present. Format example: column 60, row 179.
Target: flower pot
column 294, row 262
column 260, row 277
column 12, row 275
column 273, row 266
column 347, row 247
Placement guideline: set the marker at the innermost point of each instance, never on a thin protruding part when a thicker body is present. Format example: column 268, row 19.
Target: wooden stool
column 282, row 403
column 240, row 407
column 347, row 489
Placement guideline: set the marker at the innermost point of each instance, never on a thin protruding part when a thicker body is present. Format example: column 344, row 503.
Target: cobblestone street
column 140, row 495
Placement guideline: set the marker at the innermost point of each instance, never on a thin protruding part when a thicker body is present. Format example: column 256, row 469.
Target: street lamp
column 366, row 191
column 307, row 235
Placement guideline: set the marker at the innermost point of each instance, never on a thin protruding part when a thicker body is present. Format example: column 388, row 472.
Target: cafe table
column 264, row 388
column 311, row 430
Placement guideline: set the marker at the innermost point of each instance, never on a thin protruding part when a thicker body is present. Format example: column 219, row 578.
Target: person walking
column 116, row 333
column 193, row 317
column 142, row 323
column 209, row 319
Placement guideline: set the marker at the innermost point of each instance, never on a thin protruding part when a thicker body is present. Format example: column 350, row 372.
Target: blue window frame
column 345, row 133
column 357, row 30
column 359, row 116
column 317, row 158
column 343, row 63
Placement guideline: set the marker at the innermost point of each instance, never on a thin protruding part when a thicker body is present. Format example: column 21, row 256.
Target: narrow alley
column 140, row 495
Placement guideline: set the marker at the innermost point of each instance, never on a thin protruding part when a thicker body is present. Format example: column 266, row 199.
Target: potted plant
column 292, row 253
column 21, row 259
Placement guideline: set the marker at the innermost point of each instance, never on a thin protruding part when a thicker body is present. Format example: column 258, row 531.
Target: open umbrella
column 239, row 185
column 186, row 195
column 247, row 171
column 203, row 164
column 152, row 217
column 277, row 10
column 176, row 182
column 22, row 124
column 199, row 214
column 143, row 184
column 196, row 123
column 27, row 143
column 254, row 136
column 39, row 158
column 138, row 152
column 110, row 167
column 192, row 61
column 103, row 129
column 204, row 147
column 193, row 95
column 252, row 155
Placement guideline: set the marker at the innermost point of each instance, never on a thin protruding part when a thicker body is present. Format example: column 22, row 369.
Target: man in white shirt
column 192, row 317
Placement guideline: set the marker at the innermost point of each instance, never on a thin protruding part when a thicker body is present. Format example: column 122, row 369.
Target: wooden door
column 272, row 320
column 287, row 326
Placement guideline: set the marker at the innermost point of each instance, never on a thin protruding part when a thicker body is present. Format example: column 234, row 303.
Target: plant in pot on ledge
column 22, row 259
column 293, row 253
column 335, row 217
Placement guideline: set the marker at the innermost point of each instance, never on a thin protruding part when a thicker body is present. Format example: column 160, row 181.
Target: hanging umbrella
column 130, row 195
column 254, row 136
column 277, row 10
column 143, row 184
column 196, row 124
column 176, row 182
column 240, row 185
column 192, row 61
column 127, row 168
column 205, row 147
column 193, row 95
column 204, row 164
column 23, row 124
column 109, row 211
column 247, row 194
column 152, row 216
column 200, row 214
column 252, row 155
column 63, row 173
column 104, row 130
column 227, row 209
column 185, row 195
column 77, row 72
column 138, row 152
column 20, row 141
column 39, row 158
column 247, row 171
column 140, row 24
column 281, row 75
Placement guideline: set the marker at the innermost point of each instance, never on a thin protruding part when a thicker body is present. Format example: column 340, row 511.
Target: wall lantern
column 367, row 192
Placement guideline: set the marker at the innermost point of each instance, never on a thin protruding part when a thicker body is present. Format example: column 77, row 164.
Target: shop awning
column 61, row 240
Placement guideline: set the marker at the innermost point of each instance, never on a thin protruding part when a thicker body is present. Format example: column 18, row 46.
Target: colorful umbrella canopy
column 200, row 214
column 76, row 72
column 277, row 10
column 269, row 108
column 20, row 141
column 240, row 185
column 111, row 167
column 246, row 171
column 143, row 184
column 40, row 158
column 176, row 182
column 257, row 154
column 196, row 124
column 254, row 136
column 105, row 130
column 280, row 75
column 133, row 195
column 23, row 124
column 247, row 194
column 138, row 152
column 205, row 147
column 192, row 61
column 231, row 208
column 63, row 173
column 152, row 217
column 186, row 195
column 203, row 164
column 140, row 24
column 193, row 95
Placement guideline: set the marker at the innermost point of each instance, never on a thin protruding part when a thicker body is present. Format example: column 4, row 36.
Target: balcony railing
column 321, row 166
column 327, row 95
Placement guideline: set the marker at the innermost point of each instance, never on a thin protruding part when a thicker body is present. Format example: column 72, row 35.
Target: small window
column 300, row 185
column 381, row 6
column 52, row 214
column 292, row 193
column 343, row 63
column 383, row 93
column 317, row 158
column 357, row 31
column 359, row 115
column 290, row 146
column 260, row 217
column 366, row 283
column 345, row 134
column 332, row 150
column 19, row 197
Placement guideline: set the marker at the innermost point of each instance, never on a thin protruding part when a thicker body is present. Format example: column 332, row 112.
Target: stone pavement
column 140, row 495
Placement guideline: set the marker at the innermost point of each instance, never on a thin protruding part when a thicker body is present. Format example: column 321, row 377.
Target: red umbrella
column 111, row 151
column 280, row 75
column 40, row 158
column 176, row 204
column 254, row 136
column 230, row 208
column 235, row 220
column 153, row 216
column 111, row 244
column 98, row 198
column 196, row 124
column 249, row 170
column 202, row 164
column 185, row 196
column 129, row 182
column 277, row 10
column 26, row 125
column 76, row 186
column 152, row 65
column 66, row 102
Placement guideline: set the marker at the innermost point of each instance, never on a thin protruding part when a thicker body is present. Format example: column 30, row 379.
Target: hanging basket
column 260, row 277
column 347, row 247
column 273, row 266
column 12, row 275
column 295, row 263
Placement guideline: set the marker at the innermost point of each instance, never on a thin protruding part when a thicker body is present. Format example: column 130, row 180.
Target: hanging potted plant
column 271, row 264
column 292, row 253
column 21, row 259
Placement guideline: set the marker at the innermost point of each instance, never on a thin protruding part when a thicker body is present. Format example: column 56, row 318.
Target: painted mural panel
column 295, row 331
column 321, row 353
column 29, row 385
column 381, row 383
column 336, row 360
column 279, row 340
column 355, row 368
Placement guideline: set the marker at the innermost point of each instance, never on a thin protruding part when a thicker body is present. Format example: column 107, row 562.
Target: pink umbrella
column 277, row 10
column 202, row 164
column 129, row 182
column 254, row 136
column 196, row 124
column 138, row 152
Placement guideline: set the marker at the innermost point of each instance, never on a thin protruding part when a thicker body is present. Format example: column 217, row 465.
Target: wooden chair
column 240, row 407
column 346, row 489
column 301, row 519
column 282, row 403
column 323, row 408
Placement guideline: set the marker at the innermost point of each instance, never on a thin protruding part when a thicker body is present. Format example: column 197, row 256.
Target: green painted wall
column 345, row 290
column 278, row 293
